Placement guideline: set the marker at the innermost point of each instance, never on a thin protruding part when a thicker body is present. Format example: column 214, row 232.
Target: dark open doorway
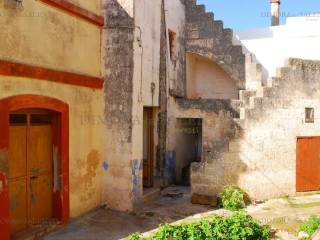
column 151, row 178
column 188, row 147
column 148, row 147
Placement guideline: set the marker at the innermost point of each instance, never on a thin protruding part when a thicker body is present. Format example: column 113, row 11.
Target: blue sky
column 246, row 14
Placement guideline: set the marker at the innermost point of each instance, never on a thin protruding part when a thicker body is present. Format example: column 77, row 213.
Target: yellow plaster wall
column 85, row 138
column 91, row 5
column 41, row 35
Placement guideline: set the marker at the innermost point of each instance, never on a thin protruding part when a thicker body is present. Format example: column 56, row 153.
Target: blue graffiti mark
column 170, row 166
column 135, row 172
column 105, row 165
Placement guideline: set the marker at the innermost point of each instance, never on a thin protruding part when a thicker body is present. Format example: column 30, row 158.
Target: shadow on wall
column 222, row 163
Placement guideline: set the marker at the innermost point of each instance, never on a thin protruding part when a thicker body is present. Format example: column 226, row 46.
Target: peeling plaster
column 135, row 178
column 83, row 184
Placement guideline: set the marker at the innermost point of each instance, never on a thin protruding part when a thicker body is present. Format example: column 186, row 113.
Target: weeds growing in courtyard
column 238, row 226
column 233, row 198
column 311, row 225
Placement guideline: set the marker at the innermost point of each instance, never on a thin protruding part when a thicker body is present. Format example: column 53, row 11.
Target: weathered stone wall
column 163, row 93
column 132, row 59
column 176, row 81
column 206, row 36
column 176, row 22
column 118, row 37
column 261, row 157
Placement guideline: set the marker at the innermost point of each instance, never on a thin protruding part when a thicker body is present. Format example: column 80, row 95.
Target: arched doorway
column 34, row 162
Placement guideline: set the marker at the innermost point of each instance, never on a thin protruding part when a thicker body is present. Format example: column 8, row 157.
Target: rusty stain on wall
column 82, row 182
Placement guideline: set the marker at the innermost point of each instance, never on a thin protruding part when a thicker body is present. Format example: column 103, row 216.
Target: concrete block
column 204, row 200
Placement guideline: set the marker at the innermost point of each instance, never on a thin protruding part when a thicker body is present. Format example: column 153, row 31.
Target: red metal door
column 308, row 164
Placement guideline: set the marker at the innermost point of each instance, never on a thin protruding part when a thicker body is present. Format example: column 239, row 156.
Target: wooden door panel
column 40, row 199
column 40, row 149
column 18, row 151
column 30, row 174
column 40, row 167
column 18, row 205
column 308, row 164
column 148, row 147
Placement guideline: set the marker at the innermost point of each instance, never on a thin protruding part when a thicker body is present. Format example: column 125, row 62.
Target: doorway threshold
column 152, row 193
column 38, row 231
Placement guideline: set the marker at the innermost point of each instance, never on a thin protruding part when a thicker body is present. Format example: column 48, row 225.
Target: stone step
column 237, row 104
column 211, row 15
column 151, row 194
column 256, row 102
column 265, row 92
column 218, row 26
column 282, row 71
column 227, row 35
column 245, row 96
column 240, row 123
column 253, row 75
column 273, row 82
column 200, row 8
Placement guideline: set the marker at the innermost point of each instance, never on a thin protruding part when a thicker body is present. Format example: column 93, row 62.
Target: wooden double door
column 30, row 169
column 308, row 164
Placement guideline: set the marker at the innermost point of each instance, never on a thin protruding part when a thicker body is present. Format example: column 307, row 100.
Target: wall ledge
column 8, row 68
column 76, row 10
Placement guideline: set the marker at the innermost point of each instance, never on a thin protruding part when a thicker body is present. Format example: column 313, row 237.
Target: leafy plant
column 311, row 225
column 233, row 198
column 237, row 227
column 135, row 236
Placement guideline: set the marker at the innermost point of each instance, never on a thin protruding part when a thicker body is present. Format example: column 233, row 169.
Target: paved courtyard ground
column 104, row 224
column 285, row 214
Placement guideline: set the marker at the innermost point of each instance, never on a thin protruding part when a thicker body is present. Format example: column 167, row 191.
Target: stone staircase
column 235, row 152
column 253, row 106
column 208, row 37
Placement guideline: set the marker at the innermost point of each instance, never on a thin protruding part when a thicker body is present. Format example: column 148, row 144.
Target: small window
column 172, row 44
column 309, row 115
column 18, row 119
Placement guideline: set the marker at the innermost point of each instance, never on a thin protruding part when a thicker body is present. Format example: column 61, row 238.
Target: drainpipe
column 275, row 12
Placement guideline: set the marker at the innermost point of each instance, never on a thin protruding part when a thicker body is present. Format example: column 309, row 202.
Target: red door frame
column 60, row 140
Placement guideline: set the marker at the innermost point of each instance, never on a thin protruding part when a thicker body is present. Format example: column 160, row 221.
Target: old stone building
column 106, row 103
column 216, row 111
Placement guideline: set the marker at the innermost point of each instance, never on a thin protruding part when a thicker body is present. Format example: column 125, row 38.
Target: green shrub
column 135, row 236
column 311, row 225
column 237, row 227
column 233, row 198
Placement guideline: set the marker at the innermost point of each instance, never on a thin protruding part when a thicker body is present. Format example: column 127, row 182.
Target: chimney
column 275, row 12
